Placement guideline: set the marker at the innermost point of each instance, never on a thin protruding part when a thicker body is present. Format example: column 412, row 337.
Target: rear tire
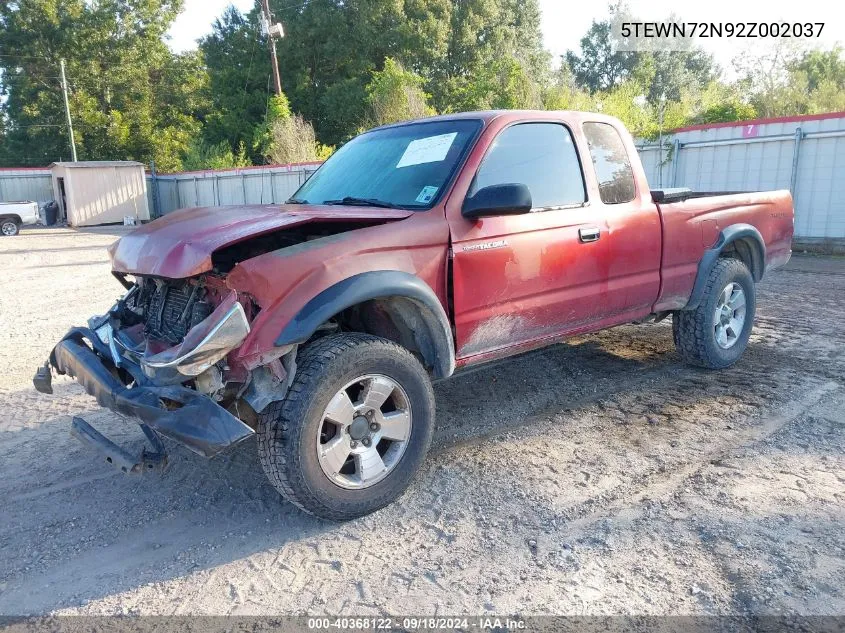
column 375, row 462
column 715, row 334
column 9, row 227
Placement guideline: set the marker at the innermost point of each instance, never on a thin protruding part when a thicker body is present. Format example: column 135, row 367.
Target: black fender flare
column 433, row 333
column 727, row 236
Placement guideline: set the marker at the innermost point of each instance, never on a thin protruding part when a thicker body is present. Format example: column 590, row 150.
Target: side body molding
column 431, row 328
column 744, row 233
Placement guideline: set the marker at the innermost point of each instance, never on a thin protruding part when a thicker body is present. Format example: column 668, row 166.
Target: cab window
column 611, row 162
column 541, row 156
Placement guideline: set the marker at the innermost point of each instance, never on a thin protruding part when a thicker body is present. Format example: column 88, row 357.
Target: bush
column 220, row 156
column 292, row 140
column 395, row 94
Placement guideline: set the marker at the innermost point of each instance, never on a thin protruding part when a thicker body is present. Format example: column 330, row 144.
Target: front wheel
column 353, row 429
column 8, row 227
column 716, row 333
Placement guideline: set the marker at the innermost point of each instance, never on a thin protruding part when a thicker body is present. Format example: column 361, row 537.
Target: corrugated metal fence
column 168, row 192
column 17, row 185
column 803, row 154
column 250, row 185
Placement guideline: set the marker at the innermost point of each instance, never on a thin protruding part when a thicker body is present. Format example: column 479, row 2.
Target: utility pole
column 67, row 113
column 274, row 31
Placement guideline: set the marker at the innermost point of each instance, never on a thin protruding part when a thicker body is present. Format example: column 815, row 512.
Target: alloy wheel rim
column 364, row 431
column 8, row 228
column 730, row 315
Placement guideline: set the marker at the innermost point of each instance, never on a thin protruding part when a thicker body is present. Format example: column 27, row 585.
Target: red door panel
column 518, row 280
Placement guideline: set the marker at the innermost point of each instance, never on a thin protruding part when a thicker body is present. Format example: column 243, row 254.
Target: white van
column 14, row 214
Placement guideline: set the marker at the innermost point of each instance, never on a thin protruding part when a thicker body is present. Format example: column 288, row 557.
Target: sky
column 565, row 22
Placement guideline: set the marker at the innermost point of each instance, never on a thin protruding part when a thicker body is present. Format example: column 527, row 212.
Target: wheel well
column 748, row 251
column 403, row 320
column 16, row 218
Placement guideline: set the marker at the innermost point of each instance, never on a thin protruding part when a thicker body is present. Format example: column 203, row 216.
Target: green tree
column 236, row 56
column 669, row 74
column 330, row 49
column 773, row 89
column 721, row 103
column 564, row 93
column 602, row 64
column 470, row 54
column 492, row 56
column 823, row 74
column 820, row 68
column 395, row 94
column 599, row 66
column 277, row 109
column 130, row 97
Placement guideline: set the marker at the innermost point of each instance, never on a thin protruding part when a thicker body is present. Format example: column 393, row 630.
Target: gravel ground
column 598, row 477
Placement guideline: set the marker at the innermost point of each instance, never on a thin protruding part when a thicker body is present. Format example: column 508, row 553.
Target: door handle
column 589, row 235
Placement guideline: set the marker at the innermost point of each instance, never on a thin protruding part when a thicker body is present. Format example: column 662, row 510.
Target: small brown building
column 100, row 192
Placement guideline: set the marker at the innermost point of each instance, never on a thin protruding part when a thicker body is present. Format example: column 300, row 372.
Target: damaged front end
column 161, row 355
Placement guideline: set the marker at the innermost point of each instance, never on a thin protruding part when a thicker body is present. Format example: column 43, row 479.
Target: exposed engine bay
column 169, row 308
column 173, row 352
column 181, row 332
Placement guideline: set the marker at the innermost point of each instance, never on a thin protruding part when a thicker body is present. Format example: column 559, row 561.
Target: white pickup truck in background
column 14, row 214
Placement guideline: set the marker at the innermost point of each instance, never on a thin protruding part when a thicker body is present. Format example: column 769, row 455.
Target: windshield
column 405, row 167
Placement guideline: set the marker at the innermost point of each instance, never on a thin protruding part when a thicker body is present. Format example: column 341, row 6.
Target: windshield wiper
column 295, row 201
column 368, row 202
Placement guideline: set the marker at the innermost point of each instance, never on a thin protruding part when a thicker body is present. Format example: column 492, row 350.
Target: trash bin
column 51, row 213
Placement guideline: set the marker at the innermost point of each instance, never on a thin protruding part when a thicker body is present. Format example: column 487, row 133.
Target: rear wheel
column 353, row 429
column 716, row 333
column 9, row 227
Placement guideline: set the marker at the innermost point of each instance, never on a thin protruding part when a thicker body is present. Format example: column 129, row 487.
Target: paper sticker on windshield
column 426, row 195
column 427, row 150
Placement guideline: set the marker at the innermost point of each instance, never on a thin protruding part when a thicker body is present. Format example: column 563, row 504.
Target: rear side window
column 613, row 167
column 541, row 156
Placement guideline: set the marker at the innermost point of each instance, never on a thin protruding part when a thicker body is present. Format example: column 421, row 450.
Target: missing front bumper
column 183, row 415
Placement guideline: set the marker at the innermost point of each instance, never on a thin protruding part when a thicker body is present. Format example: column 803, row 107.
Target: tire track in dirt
column 662, row 485
column 600, row 476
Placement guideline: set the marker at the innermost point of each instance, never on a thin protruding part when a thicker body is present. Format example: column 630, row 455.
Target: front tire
column 9, row 227
column 353, row 430
column 716, row 333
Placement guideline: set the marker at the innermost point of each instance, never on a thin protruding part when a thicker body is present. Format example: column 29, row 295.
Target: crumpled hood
column 180, row 244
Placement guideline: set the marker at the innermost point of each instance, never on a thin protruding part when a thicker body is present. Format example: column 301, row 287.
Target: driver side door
column 523, row 278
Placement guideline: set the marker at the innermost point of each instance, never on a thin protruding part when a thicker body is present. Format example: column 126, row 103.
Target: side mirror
column 508, row 199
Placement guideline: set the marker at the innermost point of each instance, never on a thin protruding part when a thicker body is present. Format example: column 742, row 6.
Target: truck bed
column 694, row 220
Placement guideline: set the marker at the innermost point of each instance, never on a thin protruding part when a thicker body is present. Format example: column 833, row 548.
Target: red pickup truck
column 415, row 250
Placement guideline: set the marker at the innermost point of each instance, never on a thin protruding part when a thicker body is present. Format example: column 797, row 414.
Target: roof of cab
column 488, row 115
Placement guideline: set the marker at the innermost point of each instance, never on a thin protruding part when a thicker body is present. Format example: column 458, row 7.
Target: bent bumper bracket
column 181, row 414
column 147, row 461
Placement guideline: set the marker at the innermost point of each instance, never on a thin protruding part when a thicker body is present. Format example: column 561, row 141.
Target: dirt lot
column 598, row 477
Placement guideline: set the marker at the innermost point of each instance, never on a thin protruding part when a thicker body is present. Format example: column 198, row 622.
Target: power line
column 248, row 71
